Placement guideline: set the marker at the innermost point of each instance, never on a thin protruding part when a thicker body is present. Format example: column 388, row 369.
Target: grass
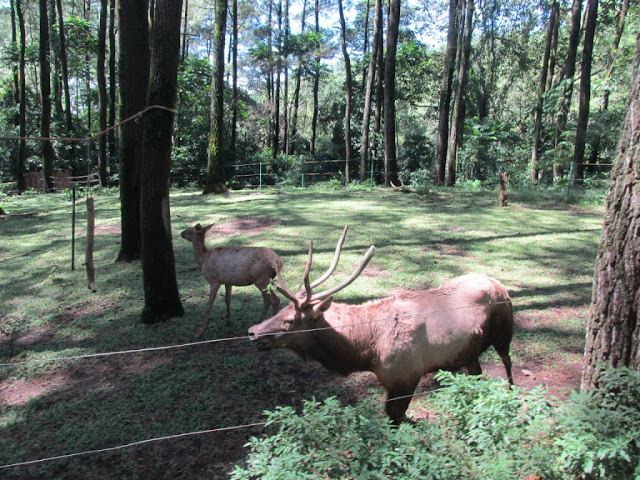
column 541, row 248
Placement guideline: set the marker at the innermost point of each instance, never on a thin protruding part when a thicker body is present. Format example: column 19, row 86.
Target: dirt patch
column 246, row 226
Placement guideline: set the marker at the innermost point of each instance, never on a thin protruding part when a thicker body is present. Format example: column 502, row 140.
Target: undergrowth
column 480, row 429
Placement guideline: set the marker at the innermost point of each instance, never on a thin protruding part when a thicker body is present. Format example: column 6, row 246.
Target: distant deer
column 240, row 266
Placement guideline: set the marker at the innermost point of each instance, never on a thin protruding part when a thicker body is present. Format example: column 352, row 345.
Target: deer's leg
column 275, row 302
column 266, row 302
column 227, row 300
column 213, row 291
column 506, row 361
column 474, row 368
column 398, row 399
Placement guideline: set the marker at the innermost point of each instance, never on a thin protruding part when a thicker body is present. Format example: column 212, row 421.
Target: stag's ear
column 197, row 227
column 321, row 307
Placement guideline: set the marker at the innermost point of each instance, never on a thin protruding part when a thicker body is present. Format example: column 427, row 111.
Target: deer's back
column 240, row 265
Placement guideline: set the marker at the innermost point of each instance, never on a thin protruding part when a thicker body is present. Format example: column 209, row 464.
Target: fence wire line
column 245, row 337
column 93, row 137
column 132, row 444
column 173, row 437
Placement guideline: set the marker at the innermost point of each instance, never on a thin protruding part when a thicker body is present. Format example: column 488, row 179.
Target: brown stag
column 240, row 266
column 399, row 338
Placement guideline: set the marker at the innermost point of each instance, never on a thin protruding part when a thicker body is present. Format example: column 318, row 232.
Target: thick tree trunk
column 390, row 151
column 161, row 297
column 48, row 154
column 544, row 74
column 370, row 85
column 445, row 92
column 613, row 330
column 22, row 111
column 133, row 30
column 234, row 71
column 103, row 103
column 457, row 119
column 113, row 84
column 215, row 170
column 585, row 93
column 348, row 94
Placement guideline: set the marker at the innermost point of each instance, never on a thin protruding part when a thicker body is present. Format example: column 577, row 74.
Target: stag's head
column 198, row 231
column 289, row 327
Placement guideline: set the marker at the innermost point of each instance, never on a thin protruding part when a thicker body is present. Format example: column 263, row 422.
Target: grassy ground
column 540, row 247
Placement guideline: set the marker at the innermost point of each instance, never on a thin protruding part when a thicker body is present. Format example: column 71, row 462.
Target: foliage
column 480, row 429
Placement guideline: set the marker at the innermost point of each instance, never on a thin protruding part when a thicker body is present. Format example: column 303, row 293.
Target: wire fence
column 198, row 343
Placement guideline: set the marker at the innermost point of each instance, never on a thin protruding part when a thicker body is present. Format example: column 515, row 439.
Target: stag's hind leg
column 227, row 300
column 398, row 400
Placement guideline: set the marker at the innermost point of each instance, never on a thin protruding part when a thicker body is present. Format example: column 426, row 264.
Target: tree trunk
column 568, row 72
column 22, row 111
column 111, row 137
column 103, row 103
column 544, row 73
column 215, row 170
column 585, row 93
column 445, row 92
column 278, row 65
column 390, row 152
column 371, row 78
column 316, row 86
column 457, row 119
column 348, row 93
column 133, row 31
column 296, row 91
column 162, row 300
column 48, row 154
column 65, row 72
column 234, row 69
column 613, row 330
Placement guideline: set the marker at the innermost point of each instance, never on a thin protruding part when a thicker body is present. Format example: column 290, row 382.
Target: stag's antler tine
column 365, row 260
column 336, row 257
column 282, row 288
column 307, row 284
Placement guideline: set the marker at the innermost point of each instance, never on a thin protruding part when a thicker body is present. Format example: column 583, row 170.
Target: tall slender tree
column 390, row 150
column 48, row 153
column 370, row 86
column 457, row 119
column 22, row 110
column 215, row 170
column 613, row 328
column 316, row 83
column 161, row 297
column 585, row 92
column 133, row 32
column 348, row 92
column 103, row 102
column 445, row 91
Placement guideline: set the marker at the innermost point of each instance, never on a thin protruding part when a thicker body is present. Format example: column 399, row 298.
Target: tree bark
column 445, row 92
column 544, row 74
column 215, row 170
column 234, row 70
column 390, row 151
column 133, row 31
column 22, row 111
column 316, row 85
column 296, row 91
column 48, row 154
column 162, row 300
column 613, row 329
column 370, row 84
column 585, row 93
column 113, row 84
column 348, row 93
column 103, row 103
column 457, row 119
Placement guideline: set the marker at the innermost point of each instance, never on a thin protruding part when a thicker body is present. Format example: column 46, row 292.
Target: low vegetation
column 541, row 247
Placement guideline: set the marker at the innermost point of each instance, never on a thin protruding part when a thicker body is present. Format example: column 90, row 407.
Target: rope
column 93, row 137
column 245, row 337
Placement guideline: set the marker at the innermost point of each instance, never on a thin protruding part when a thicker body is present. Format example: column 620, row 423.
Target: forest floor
column 542, row 250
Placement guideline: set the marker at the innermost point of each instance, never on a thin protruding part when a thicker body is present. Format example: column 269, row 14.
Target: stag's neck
column 350, row 345
column 200, row 251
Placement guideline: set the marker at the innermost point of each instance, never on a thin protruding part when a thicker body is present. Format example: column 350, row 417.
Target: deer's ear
column 206, row 229
column 323, row 306
column 198, row 227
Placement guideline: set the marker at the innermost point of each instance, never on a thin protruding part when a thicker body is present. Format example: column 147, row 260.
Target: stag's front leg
column 398, row 398
column 213, row 291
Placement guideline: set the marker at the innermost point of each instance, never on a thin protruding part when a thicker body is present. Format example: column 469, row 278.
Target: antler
column 302, row 302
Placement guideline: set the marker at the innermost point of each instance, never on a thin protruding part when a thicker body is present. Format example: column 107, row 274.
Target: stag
column 240, row 266
column 400, row 338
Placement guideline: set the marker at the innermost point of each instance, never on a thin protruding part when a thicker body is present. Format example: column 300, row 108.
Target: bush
column 481, row 430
